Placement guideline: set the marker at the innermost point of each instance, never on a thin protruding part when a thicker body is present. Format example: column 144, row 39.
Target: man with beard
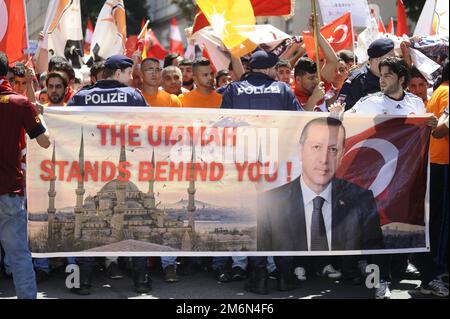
column 186, row 69
column 366, row 80
column 204, row 94
column 394, row 100
column 56, row 89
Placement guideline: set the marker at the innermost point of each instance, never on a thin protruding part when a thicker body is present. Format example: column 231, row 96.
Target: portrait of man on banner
column 318, row 211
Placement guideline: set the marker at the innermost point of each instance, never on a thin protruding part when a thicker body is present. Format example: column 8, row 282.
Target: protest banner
column 334, row 9
column 157, row 181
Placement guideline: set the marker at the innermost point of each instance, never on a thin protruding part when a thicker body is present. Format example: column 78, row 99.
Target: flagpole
column 316, row 36
column 144, row 28
column 26, row 27
column 353, row 39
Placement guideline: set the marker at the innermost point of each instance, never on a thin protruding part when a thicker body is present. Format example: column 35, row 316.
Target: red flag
column 402, row 20
column 200, row 21
column 381, row 27
column 205, row 54
column 88, row 37
column 272, row 8
column 397, row 150
column 131, row 45
column 176, row 43
column 339, row 34
column 390, row 28
column 155, row 48
column 12, row 29
column 260, row 8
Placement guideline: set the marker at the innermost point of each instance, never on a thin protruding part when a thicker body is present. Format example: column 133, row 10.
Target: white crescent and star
column 344, row 28
column 3, row 19
column 390, row 156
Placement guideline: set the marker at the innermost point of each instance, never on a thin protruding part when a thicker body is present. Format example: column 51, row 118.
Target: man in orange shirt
column 186, row 69
column 203, row 95
column 151, row 79
column 436, row 262
column 172, row 80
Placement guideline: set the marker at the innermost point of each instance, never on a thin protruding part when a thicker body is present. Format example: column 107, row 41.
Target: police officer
column 259, row 90
column 366, row 80
column 114, row 90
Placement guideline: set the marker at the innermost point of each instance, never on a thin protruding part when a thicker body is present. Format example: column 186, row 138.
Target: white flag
column 434, row 19
column 365, row 38
column 64, row 31
column 266, row 36
column 333, row 9
column 424, row 64
column 110, row 31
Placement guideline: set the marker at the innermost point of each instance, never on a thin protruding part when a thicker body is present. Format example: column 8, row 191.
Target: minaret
column 150, row 196
column 191, row 193
column 119, row 210
column 80, row 190
column 259, row 183
column 121, row 185
column 51, row 200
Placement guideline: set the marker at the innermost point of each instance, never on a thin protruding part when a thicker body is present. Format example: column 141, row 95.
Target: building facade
column 36, row 10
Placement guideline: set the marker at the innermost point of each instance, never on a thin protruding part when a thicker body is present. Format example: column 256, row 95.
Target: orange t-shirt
column 162, row 99
column 436, row 105
column 197, row 99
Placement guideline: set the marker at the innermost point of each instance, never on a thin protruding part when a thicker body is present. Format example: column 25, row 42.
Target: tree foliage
column 414, row 8
column 187, row 8
column 136, row 10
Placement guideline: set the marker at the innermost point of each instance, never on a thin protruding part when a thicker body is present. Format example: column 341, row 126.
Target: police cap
column 263, row 60
column 380, row 47
column 115, row 62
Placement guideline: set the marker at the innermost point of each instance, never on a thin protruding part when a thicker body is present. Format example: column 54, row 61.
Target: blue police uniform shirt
column 360, row 83
column 258, row 91
column 108, row 93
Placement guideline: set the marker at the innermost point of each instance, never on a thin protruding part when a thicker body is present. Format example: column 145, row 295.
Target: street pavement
column 204, row 286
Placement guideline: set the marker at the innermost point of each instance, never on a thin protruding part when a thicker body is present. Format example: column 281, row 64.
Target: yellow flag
column 227, row 17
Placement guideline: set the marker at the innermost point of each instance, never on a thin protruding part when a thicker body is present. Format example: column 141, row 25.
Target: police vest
column 108, row 93
column 260, row 92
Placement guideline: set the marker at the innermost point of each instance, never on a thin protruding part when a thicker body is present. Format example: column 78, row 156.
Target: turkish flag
column 260, row 8
column 396, row 151
column 12, row 29
column 155, row 48
column 131, row 45
column 339, row 34
column 176, row 43
column 402, row 20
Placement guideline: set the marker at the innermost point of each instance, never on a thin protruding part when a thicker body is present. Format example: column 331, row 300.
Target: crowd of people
column 387, row 84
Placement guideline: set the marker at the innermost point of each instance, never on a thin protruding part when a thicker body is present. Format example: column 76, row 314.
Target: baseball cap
column 115, row 62
column 263, row 60
column 380, row 47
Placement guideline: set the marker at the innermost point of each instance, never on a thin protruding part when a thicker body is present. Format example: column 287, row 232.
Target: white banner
column 333, row 9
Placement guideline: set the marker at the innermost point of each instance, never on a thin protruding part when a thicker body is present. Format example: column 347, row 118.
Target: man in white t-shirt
column 393, row 99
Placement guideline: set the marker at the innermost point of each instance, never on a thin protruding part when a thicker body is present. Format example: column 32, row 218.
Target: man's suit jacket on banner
column 281, row 224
